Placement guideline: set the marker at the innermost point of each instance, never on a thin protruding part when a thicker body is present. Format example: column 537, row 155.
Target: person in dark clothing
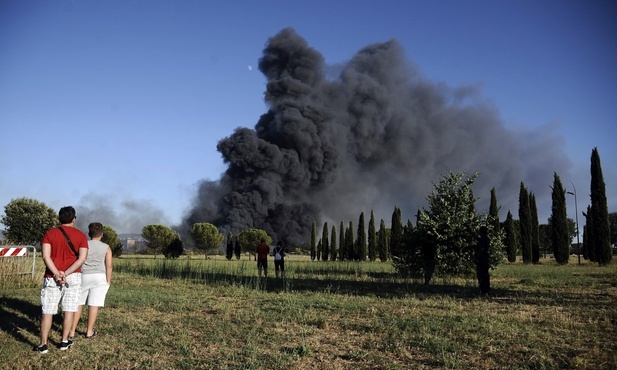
column 428, row 256
column 262, row 252
column 279, row 259
column 482, row 261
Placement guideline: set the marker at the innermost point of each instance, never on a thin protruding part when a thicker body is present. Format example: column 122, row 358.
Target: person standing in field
column 64, row 250
column 95, row 279
column 482, row 261
column 262, row 252
column 279, row 259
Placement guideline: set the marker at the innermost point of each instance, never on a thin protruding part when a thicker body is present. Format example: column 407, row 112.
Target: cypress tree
column 229, row 251
column 494, row 215
column 396, row 232
column 361, row 249
column 237, row 249
column 325, row 244
column 372, row 239
column 341, row 244
column 511, row 238
column 333, row 249
column 588, row 252
column 601, row 242
column 612, row 220
column 349, row 242
column 382, row 241
column 313, row 241
column 524, row 215
column 535, row 229
column 560, row 239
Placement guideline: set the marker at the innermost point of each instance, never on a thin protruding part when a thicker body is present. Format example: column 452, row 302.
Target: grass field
column 216, row 314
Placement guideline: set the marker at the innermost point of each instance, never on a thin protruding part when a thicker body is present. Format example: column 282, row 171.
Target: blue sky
column 120, row 104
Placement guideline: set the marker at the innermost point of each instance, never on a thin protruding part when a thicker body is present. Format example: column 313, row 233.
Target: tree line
column 443, row 237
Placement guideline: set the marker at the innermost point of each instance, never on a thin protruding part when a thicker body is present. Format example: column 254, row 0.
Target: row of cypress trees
column 525, row 236
column 596, row 238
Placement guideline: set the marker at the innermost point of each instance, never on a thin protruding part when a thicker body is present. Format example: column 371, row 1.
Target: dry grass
column 331, row 316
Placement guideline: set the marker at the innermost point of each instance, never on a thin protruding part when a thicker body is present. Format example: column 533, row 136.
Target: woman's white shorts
column 94, row 288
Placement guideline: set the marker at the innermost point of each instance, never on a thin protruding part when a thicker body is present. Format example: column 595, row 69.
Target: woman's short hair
column 95, row 229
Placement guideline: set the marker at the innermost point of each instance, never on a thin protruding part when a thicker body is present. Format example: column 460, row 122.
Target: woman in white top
column 95, row 278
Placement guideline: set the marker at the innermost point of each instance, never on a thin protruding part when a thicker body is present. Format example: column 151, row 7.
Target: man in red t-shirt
column 262, row 251
column 62, row 282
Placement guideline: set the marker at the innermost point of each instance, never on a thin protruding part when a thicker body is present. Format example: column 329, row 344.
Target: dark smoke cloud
column 373, row 138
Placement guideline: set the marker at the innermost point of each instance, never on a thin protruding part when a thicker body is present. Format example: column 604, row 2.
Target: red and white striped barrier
column 12, row 252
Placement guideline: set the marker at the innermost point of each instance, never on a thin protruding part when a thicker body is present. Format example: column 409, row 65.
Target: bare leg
column 76, row 318
column 93, row 312
column 67, row 325
column 46, row 320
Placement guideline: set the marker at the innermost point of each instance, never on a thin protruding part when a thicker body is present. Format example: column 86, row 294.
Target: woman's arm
column 108, row 265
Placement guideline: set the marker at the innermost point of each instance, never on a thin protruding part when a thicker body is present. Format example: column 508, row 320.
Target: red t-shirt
column 262, row 250
column 61, row 253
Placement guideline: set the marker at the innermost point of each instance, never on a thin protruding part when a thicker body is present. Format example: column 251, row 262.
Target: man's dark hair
column 66, row 215
column 95, row 229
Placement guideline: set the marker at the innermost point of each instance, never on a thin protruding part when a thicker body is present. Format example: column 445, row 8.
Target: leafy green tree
column 411, row 253
column 451, row 226
column 558, row 222
column 249, row 239
column 26, row 221
column 110, row 237
column 175, row 249
column 535, row 229
column 229, row 250
column 325, row 245
column 601, row 242
column 333, row 246
column 158, row 237
column 524, row 216
column 382, row 241
column 341, row 243
column 396, row 232
column 206, row 236
column 372, row 239
column 511, row 240
column 493, row 214
column 361, row 249
column 313, row 241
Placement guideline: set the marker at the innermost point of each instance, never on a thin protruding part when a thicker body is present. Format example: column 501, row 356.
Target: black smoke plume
column 373, row 138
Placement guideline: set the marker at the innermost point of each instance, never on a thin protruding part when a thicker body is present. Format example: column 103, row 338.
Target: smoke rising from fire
column 375, row 137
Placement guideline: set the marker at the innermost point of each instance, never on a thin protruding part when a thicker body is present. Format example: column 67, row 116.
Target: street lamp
column 578, row 242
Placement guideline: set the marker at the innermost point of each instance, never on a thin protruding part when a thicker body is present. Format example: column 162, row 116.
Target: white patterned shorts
column 67, row 294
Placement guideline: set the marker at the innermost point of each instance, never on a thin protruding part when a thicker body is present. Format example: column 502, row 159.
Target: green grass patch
column 217, row 314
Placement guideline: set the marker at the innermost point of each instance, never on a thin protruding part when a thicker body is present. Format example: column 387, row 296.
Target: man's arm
column 46, row 252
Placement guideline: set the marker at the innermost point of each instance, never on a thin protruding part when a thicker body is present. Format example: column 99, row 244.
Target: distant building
column 132, row 243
